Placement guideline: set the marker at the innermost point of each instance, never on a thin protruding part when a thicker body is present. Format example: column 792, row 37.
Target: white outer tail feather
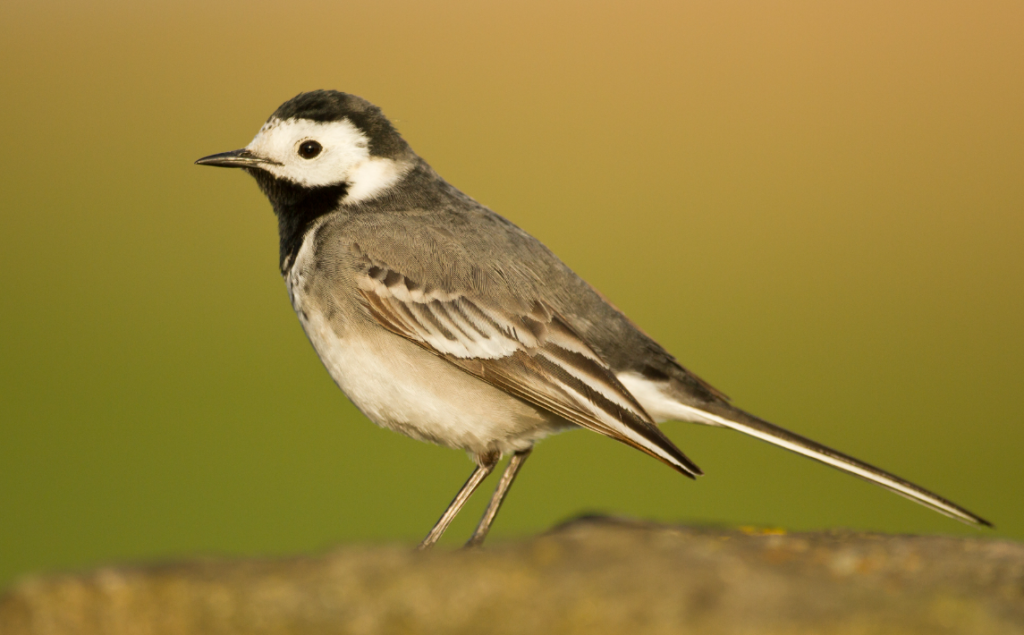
column 662, row 407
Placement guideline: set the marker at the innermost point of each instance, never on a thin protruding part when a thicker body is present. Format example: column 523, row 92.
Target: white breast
column 400, row 386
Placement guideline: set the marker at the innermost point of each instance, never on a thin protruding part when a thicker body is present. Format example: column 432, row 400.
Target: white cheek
column 372, row 177
column 334, row 165
column 345, row 149
column 344, row 159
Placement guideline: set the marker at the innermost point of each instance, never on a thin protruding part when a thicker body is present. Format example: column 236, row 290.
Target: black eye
column 309, row 149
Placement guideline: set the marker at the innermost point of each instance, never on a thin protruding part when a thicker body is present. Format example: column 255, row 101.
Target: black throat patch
column 297, row 208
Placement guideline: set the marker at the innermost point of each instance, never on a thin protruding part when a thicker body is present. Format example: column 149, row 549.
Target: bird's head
column 324, row 139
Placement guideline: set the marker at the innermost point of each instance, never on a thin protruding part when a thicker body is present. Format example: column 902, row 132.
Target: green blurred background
column 819, row 207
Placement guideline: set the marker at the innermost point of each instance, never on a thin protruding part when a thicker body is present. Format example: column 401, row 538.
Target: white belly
column 400, row 386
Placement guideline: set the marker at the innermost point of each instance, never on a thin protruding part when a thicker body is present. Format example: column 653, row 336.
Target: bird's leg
column 507, row 477
column 485, row 465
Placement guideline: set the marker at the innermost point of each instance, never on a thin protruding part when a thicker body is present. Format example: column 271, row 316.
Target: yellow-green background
column 818, row 206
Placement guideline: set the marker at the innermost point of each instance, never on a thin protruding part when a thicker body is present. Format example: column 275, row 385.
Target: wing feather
column 531, row 354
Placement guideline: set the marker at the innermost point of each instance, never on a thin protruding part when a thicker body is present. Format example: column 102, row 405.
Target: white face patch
column 345, row 157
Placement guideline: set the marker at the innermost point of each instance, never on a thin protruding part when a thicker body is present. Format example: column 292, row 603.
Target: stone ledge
column 593, row 576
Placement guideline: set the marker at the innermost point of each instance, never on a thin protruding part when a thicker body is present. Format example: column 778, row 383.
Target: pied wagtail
column 445, row 322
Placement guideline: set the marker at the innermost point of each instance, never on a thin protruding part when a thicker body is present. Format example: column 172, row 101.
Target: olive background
column 818, row 207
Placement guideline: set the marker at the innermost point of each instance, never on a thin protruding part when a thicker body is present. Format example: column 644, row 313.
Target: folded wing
column 529, row 352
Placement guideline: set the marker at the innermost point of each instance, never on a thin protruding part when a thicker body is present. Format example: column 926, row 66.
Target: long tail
column 730, row 417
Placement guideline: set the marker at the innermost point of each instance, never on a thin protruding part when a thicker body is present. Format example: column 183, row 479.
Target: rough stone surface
column 590, row 576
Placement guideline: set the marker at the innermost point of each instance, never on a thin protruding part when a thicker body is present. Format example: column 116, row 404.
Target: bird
column 443, row 321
